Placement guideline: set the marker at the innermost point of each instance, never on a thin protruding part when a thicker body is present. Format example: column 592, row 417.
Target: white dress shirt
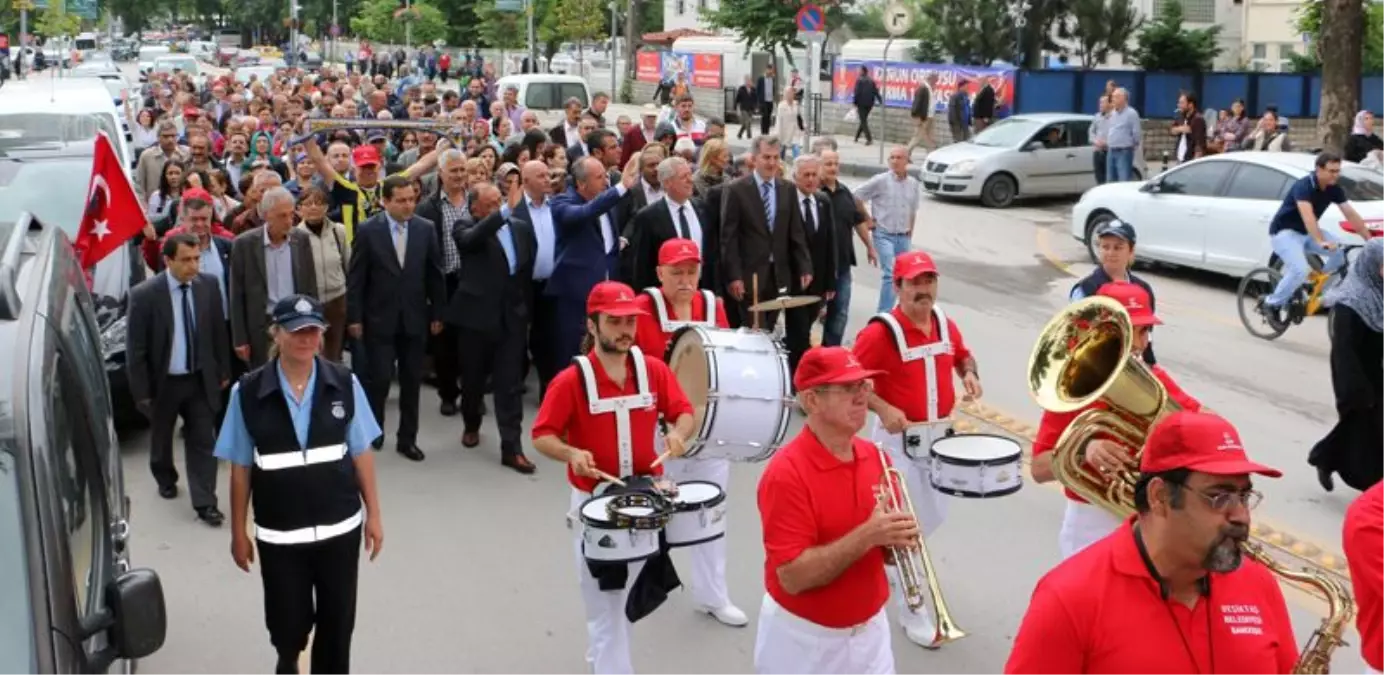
column 694, row 226
column 810, row 206
column 651, row 193
column 541, row 217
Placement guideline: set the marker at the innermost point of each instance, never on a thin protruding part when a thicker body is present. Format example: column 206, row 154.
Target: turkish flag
column 113, row 214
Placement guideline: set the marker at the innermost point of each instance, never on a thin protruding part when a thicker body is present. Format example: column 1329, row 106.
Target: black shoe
column 412, row 452
column 211, row 516
column 377, row 443
column 1324, row 477
column 448, row 408
column 286, row 666
column 168, row 491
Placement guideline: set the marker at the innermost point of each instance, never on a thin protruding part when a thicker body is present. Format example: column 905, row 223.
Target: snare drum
column 699, row 514
column 605, row 541
column 738, row 383
column 977, row 466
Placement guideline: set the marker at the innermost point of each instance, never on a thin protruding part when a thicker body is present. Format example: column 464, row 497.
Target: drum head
column 688, row 361
column 698, row 492
column 633, row 511
column 975, row 449
column 596, row 510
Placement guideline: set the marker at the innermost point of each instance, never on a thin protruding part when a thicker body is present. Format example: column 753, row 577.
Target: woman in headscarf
column 261, row 149
column 1363, row 142
column 1353, row 448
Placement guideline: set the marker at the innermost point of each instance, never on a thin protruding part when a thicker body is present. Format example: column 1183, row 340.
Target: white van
column 148, row 54
column 30, row 99
column 546, row 92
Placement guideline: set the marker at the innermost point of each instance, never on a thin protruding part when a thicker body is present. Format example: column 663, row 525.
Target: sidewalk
column 857, row 159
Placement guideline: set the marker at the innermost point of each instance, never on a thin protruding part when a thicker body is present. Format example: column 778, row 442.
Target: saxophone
column 1082, row 356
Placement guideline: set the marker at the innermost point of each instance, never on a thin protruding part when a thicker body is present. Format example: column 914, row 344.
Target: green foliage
column 53, row 22
column 376, row 22
column 1166, row 45
column 580, row 20
column 765, row 25
column 1101, row 28
column 500, row 30
column 1307, row 20
column 627, row 90
column 973, row 32
column 870, row 23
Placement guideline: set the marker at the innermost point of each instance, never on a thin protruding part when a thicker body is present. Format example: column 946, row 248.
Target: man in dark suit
column 646, row 192
column 677, row 216
column 491, row 313
column 588, row 246
column 822, row 241
column 444, row 209
column 268, row 262
column 565, row 133
column 179, row 361
column 983, row 110
column 395, row 293
column 762, row 236
column 580, row 145
column 765, row 94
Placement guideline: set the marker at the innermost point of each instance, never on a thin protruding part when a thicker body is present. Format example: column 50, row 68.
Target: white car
column 260, row 73
column 147, row 55
column 183, row 62
column 1213, row 213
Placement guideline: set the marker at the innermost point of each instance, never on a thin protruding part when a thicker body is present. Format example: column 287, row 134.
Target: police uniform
column 616, row 424
column 918, row 380
column 655, row 330
column 304, row 491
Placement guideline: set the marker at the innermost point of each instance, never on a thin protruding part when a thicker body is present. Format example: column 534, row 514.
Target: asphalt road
column 477, row 572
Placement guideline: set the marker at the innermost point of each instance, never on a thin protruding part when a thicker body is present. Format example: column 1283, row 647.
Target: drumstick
column 754, row 297
column 613, row 479
column 667, row 454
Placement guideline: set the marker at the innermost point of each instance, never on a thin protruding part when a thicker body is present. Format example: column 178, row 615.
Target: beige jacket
column 329, row 259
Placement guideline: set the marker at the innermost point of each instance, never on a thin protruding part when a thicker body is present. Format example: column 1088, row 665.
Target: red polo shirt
column 1364, row 545
column 904, row 386
column 564, row 413
column 1051, row 425
column 649, row 333
column 1100, row 611
column 808, row 498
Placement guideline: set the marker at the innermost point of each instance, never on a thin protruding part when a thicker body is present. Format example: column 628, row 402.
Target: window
column 1195, row 180
column 1259, row 50
column 1079, row 134
column 573, row 90
column 77, row 473
column 541, row 96
column 701, row 5
column 1258, row 182
column 1193, row 11
column 1053, row 136
column 682, row 7
column 1361, row 185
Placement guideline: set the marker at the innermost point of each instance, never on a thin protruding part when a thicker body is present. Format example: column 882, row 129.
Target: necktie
column 808, row 220
column 682, row 222
column 400, row 247
column 766, row 189
column 189, row 331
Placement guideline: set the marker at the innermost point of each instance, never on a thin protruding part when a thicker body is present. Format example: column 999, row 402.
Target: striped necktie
column 766, row 190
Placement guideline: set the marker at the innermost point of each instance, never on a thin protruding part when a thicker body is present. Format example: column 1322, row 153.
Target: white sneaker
column 922, row 634
column 729, row 615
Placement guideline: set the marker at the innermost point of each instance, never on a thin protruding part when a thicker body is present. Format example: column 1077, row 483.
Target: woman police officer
column 297, row 433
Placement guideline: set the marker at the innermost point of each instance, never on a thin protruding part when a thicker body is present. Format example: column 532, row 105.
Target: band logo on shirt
column 1243, row 619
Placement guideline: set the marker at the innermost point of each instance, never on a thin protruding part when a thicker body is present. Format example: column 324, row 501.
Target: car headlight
column 964, row 166
column 113, row 338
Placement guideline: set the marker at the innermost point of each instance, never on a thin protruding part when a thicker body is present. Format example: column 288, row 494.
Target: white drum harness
column 666, row 322
column 619, row 405
column 927, row 353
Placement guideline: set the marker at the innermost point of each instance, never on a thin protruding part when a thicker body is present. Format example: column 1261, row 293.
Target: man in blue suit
column 587, row 225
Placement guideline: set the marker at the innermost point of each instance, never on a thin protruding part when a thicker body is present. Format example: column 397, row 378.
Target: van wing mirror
column 135, row 599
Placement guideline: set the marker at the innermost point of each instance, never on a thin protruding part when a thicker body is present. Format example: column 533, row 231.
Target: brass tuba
column 916, row 572
column 1083, row 357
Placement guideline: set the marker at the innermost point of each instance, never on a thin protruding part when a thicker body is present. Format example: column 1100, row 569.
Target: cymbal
column 785, row 302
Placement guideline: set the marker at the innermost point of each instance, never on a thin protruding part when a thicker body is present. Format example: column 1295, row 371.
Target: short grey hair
column 583, row 168
column 824, row 143
column 272, row 197
column 267, row 176
column 761, row 142
column 448, row 156
column 670, row 167
column 803, row 161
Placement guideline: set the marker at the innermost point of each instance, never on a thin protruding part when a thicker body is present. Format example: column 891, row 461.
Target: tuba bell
column 1083, row 357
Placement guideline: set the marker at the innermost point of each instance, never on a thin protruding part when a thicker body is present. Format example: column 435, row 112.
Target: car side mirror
column 1034, row 146
column 1153, row 186
column 140, row 620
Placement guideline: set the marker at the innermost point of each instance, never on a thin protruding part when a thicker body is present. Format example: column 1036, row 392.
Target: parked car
column 1213, row 213
column 310, row 61
column 183, row 62
column 72, row 603
column 1041, row 154
column 547, row 93
column 147, row 55
column 260, row 73
column 225, row 57
column 108, row 73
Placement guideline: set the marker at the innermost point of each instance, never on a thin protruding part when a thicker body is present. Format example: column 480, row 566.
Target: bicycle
column 1306, row 300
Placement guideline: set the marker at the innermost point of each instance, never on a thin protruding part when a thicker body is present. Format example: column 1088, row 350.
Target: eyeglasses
column 853, row 389
column 1224, row 501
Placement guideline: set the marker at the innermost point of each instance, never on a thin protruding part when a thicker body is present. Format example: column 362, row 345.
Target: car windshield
column 53, row 189
column 1008, row 133
column 16, row 617
column 187, row 65
column 151, row 53
column 1361, row 184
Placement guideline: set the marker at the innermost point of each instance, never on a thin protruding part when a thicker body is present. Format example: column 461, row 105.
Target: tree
column 1342, row 34
column 580, row 20
column 870, row 23
column 1101, row 28
column 973, row 32
column 500, row 30
column 1307, row 20
column 766, row 24
column 53, row 22
column 385, row 21
column 1166, row 45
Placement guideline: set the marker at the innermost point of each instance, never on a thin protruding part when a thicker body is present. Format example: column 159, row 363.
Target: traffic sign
column 23, row 5
column 811, row 19
column 898, row 18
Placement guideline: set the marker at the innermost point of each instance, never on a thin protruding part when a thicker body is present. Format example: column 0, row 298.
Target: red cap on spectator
column 365, row 155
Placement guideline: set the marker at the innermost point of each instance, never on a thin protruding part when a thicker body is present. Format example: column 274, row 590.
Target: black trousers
column 797, row 332
column 542, row 345
column 766, row 117
column 864, row 113
column 498, row 358
column 446, row 364
column 309, row 586
column 185, row 396
column 1098, row 165
column 408, row 351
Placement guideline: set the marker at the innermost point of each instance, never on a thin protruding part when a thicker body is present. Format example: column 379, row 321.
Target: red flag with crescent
column 113, row 214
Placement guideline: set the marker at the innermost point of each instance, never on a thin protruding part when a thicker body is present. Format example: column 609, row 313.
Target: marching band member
column 677, row 302
column 1170, row 591
column 916, row 348
column 1084, row 524
column 824, row 579
column 599, row 417
column 1364, row 549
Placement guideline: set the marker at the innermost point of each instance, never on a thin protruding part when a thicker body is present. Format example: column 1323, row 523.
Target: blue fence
column 1154, row 95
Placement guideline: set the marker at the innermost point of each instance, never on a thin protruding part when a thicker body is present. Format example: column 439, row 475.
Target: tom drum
column 976, row 466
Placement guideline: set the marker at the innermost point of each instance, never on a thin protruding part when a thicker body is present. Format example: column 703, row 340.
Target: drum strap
column 927, row 353
column 619, row 405
column 666, row 322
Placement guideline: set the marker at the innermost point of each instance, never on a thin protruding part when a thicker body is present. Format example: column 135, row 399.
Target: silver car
column 1021, row 156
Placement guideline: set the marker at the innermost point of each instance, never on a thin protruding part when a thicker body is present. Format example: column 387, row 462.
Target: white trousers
column 1082, row 525
column 708, row 560
column 929, row 507
column 790, row 644
column 607, row 629
column 1371, row 671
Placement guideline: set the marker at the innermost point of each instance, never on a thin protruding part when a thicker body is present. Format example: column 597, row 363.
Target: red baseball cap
column 1201, row 442
column 913, row 263
column 677, row 251
column 365, row 155
column 192, row 111
column 196, row 193
column 1135, row 299
column 613, row 298
column 829, row 365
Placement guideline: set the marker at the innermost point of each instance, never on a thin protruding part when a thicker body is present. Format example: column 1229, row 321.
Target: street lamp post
column 614, row 85
column 1018, row 13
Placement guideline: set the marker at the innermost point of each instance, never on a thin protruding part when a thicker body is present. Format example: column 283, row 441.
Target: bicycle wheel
column 1254, row 288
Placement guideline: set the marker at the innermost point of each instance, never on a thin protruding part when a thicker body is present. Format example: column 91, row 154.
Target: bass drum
column 737, row 381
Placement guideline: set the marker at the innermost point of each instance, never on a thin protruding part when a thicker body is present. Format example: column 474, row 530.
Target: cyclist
column 1295, row 230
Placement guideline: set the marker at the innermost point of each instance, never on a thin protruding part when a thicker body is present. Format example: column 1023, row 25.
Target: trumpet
column 917, row 575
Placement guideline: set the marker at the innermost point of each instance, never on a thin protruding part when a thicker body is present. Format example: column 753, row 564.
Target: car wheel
column 999, row 191
column 1094, row 223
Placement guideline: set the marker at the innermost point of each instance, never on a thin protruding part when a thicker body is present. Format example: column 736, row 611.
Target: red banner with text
column 706, row 71
column 648, row 66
